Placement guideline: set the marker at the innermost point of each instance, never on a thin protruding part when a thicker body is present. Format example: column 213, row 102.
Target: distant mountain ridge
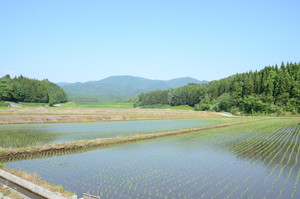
column 120, row 87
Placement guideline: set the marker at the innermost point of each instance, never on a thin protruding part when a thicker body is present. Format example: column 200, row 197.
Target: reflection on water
column 39, row 134
column 207, row 164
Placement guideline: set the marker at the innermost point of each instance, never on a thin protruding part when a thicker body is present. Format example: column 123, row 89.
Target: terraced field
column 255, row 160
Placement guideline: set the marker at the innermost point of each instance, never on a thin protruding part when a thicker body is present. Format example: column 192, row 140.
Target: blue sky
column 71, row 41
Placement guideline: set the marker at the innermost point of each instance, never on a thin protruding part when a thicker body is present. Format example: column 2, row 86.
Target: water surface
column 20, row 135
column 260, row 160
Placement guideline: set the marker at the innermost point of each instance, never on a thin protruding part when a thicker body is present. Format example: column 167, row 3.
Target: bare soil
column 21, row 116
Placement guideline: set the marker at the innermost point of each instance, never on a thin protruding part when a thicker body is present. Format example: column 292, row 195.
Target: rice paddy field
column 23, row 135
column 254, row 160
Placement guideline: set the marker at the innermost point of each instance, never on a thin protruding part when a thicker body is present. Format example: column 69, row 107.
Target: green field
column 3, row 105
column 114, row 105
column 121, row 105
column 255, row 160
column 96, row 105
column 160, row 106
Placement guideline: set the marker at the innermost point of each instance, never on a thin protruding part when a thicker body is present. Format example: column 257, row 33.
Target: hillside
column 22, row 89
column 119, row 87
column 272, row 90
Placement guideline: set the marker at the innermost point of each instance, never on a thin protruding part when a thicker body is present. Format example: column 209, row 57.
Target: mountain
column 63, row 83
column 119, row 87
column 178, row 82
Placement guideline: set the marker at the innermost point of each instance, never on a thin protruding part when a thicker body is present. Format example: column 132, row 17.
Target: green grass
column 163, row 106
column 119, row 105
column 182, row 107
column 95, row 105
column 3, row 105
column 28, row 104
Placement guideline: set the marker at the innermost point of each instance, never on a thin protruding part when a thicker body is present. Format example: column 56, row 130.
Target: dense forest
column 274, row 89
column 22, row 89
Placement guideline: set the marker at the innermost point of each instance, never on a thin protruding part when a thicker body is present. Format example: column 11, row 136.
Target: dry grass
column 94, row 115
column 7, row 192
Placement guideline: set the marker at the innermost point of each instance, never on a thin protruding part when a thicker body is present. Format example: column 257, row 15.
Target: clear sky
column 82, row 40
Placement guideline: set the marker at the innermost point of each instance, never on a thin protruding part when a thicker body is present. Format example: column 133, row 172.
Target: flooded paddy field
column 22, row 135
column 255, row 160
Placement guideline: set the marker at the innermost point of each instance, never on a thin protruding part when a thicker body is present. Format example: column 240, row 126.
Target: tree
column 5, row 88
column 22, row 89
column 272, row 89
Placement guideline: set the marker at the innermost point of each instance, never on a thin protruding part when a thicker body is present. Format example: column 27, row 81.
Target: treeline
column 22, row 89
column 271, row 90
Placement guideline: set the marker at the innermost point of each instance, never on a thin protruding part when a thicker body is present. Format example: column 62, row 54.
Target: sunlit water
column 195, row 165
column 21, row 135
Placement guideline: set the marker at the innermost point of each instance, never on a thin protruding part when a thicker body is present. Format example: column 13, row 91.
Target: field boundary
column 25, row 116
column 6, row 153
column 31, row 186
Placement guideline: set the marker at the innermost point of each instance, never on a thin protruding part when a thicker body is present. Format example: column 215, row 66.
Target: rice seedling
column 22, row 135
column 246, row 161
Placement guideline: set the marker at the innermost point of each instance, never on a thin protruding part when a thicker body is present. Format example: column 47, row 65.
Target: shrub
column 202, row 107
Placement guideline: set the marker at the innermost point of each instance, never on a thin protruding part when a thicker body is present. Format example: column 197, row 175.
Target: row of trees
column 271, row 90
column 22, row 89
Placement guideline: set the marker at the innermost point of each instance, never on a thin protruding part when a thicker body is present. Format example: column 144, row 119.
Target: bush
column 234, row 110
column 253, row 104
column 202, row 107
column 293, row 111
column 225, row 102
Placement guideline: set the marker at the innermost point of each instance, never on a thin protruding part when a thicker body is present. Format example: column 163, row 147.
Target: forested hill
column 119, row 87
column 22, row 89
column 274, row 89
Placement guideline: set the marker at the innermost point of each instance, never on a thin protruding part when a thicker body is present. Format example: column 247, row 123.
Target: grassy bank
column 164, row 106
column 69, row 105
column 35, row 179
column 117, row 105
column 95, row 105
column 7, row 192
